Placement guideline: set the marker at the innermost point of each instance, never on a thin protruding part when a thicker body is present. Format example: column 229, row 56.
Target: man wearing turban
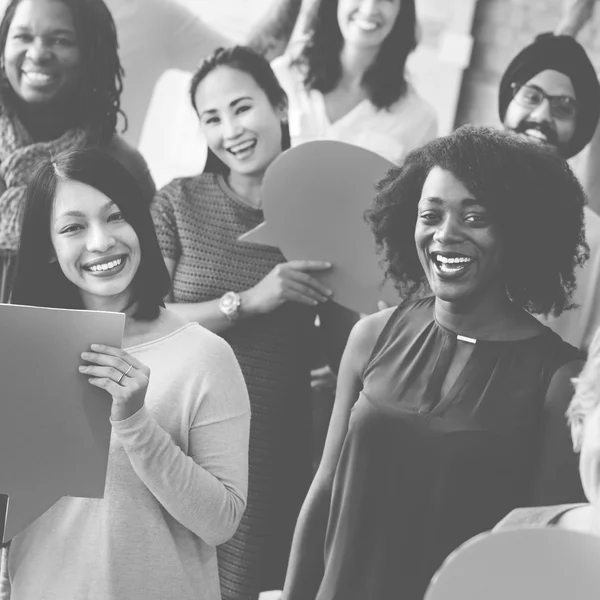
column 550, row 94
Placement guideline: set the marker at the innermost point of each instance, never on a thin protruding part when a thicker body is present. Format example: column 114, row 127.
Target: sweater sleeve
column 205, row 489
column 165, row 222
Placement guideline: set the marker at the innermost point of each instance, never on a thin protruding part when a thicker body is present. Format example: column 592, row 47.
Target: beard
column 543, row 128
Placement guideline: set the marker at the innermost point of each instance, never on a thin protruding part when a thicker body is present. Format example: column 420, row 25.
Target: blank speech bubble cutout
column 54, row 426
column 314, row 197
column 527, row 564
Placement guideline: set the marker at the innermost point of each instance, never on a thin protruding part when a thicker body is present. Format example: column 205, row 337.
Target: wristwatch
column 230, row 304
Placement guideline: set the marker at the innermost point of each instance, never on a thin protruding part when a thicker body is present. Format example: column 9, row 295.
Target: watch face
column 230, row 302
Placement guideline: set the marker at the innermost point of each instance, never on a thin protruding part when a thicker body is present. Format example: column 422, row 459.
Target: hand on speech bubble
column 54, row 426
column 287, row 282
column 314, row 197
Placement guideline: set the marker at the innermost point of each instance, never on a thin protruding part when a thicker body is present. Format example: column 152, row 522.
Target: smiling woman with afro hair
column 534, row 199
column 450, row 408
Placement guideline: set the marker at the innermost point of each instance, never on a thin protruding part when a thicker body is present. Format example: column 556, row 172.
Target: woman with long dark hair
column 177, row 471
column 263, row 305
column 346, row 80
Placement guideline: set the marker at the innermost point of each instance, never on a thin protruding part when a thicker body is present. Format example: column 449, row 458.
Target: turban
column 563, row 54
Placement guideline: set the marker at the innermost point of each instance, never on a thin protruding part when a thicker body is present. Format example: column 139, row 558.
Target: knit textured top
column 198, row 221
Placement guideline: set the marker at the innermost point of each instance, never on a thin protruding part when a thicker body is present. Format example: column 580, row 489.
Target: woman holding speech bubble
column 346, row 81
column 262, row 305
column 60, row 87
column 176, row 480
column 450, row 408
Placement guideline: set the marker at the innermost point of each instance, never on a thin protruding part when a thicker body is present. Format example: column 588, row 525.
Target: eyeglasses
column 531, row 96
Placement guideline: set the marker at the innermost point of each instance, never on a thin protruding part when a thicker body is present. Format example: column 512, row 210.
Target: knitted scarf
column 19, row 157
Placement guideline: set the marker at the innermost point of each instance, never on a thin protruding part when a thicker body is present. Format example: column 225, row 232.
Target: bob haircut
column 534, row 200
column 248, row 61
column 587, row 393
column 320, row 60
column 97, row 105
column 40, row 282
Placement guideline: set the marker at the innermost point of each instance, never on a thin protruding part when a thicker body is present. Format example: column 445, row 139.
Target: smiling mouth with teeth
column 105, row 266
column 242, row 148
column 365, row 24
column 37, row 77
column 451, row 263
column 536, row 134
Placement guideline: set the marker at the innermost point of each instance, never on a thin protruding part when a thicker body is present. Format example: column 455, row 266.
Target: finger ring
column 123, row 374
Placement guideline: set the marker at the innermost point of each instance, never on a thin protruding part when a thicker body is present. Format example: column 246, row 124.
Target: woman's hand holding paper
column 124, row 377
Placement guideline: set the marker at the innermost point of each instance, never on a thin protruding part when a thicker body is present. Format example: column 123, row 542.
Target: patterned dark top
column 198, row 221
column 420, row 474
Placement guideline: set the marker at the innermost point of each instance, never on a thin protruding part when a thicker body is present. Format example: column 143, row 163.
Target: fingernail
column 82, row 368
column 95, row 346
column 85, row 355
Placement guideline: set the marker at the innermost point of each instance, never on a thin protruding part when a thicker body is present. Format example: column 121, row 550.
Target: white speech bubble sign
column 527, row 564
column 314, row 197
column 54, row 426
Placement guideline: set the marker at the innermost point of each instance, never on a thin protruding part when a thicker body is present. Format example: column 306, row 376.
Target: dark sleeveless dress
column 418, row 474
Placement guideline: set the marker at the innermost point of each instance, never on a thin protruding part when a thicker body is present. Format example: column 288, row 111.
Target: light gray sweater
column 176, row 487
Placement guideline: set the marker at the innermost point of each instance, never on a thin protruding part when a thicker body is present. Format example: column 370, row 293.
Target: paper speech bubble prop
column 527, row 564
column 54, row 426
column 314, row 197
